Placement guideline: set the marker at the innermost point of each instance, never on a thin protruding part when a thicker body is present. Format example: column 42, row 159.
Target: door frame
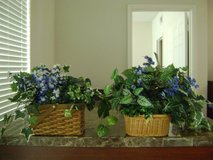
column 198, row 50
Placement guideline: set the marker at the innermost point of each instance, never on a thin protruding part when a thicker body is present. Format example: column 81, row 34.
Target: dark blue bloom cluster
column 192, row 82
column 133, row 87
column 139, row 70
column 149, row 61
column 48, row 83
column 22, row 84
column 139, row 82
column 174, row 87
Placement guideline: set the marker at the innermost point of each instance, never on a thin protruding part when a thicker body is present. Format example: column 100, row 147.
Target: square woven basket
column 52, row 121
column 157, row 125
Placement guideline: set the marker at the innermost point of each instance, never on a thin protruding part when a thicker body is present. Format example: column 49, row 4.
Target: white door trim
column 198, row 50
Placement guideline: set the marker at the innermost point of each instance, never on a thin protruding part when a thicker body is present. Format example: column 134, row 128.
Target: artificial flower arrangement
column 45, row 89
column 149, row 90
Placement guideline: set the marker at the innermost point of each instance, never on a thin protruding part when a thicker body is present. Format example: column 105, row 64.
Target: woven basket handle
column 44, row 115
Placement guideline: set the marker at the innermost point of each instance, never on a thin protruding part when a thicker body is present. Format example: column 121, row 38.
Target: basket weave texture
column 52, row 122
column 157, row 126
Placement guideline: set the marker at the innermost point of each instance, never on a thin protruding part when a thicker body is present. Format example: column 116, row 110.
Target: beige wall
column 141, row 42
column 210, row 40
column 91, row 35
column 42, row 32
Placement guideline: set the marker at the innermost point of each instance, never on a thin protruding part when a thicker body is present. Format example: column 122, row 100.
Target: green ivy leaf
column 14, row 87
column 112, row 120
column 27, row 132
column 19, row 114
column 128, row 73
column 182, row 91
column 115, row 102
column 67, row 113
column 107, row 90
column 6, row 119
column 15, row 98
column 66, row 68
column 114, row 74
column 126, row 92
column 103, row 109
column 102, row 130
column 142, row 101
column 2, row 131
column 32, row 120
column 137, row 91
column 119, row 80
column 33, row 108
column 126, row 99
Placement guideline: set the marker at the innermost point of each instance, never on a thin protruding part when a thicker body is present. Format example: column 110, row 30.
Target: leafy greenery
column 47, row 86
column 152, row 90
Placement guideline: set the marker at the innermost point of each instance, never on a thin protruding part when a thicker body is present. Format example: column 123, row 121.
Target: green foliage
column 47, row 86
column 152, row 90
column 6, row 122
column 19, row 114
column 32, row 120
column 107, row 90
column 142, row 101
column 67, row 113
column 114, row 74
column 126, row 99
column 111, row 120
column 102, row 130
column 7, row 119
column 2, row 131
column 27, row 132
column 104, row 108
column 137, row 91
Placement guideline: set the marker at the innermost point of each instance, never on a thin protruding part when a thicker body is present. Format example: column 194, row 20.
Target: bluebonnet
column 139, row 81
column 174, row 86
column 47, row 82
column 149, row 61
column 56, row 93
column 133, row 87
column 139, row 70
column 192, row 82
column 22, row 84
column 42, row 99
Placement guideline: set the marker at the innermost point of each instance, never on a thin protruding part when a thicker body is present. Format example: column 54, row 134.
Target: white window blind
column 14, row 47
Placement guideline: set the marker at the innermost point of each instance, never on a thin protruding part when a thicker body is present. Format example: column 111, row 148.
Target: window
column 14, row 47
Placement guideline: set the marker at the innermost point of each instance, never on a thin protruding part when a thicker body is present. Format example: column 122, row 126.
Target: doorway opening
column 163, row 32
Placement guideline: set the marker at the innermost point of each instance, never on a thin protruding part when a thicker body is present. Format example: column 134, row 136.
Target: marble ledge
column 206, row 139
column 116, row 138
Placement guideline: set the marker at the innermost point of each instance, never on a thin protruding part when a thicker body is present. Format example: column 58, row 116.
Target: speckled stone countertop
column 202, row 140
column 116, row 138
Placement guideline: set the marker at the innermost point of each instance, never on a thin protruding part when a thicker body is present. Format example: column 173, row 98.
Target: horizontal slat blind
column 14, row 47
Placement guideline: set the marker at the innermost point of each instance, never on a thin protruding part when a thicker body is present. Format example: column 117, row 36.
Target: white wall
column 210, row 40
column 42, row 32
column 171, row 27
column 157, row 31
column 141, row 42
column 91, row 35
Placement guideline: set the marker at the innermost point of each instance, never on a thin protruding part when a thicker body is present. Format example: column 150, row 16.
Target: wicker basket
column 157, row 126
column 52, row 121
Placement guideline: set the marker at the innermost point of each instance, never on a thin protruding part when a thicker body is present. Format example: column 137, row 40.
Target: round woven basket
column 157, row 125
column 52, row 121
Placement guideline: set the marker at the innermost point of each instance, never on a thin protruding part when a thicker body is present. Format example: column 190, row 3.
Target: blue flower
column 139, row 81
column 149, row 61
column 192, row 82
column 56, row 93
column 133, row 87
column 139, row 70
column 173, row 86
